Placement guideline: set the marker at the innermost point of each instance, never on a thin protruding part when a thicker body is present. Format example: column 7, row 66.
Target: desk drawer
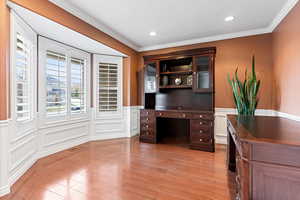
column 147, row 113
column 177, row 115
column 203, row 116
column 147, row 120
column 201, row 139
column 199, row 124
column 147, row 127
column 147, row 133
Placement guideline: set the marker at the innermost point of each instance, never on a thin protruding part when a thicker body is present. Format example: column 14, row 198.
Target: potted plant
column 245, row 93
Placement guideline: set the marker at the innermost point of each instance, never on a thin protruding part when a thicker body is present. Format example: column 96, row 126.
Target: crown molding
column 207, row 39
column 93, row 21
column 289, row 5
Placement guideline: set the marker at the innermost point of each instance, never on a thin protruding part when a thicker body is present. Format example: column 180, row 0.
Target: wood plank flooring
column 125, row 169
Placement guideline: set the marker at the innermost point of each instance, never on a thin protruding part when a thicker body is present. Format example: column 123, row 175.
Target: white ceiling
column 42, row 25
column 178, row 22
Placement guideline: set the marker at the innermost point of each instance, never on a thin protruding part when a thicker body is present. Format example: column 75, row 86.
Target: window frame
column 97, row 58
column 45, row 45
column 19, row 26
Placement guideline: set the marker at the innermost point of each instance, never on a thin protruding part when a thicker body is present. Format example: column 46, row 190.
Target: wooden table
column 265, row 153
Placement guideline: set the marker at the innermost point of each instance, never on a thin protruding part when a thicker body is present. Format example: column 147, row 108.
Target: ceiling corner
column 94, row 22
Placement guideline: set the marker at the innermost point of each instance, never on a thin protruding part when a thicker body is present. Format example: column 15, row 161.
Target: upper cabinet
column 150, row 81
column 190, row 69
column 203, row 73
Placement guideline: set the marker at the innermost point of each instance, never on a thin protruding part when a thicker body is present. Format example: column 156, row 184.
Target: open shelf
column 175, row 86
column 177, row 72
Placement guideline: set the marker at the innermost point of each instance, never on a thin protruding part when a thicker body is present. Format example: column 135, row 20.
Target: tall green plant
column 245, row 93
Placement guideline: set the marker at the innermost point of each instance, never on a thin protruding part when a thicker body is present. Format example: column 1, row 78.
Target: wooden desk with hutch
column 265, row 153
column 191, row 100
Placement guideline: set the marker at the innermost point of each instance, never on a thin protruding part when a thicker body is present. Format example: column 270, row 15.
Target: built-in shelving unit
column 178, row 96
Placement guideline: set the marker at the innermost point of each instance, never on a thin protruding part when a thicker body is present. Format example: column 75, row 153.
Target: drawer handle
column 201, row 140
column 183, row 115
column 160, row 114
column 147, row 126
column 200, row 123
column 147, row 119
column 200, row 116
column 201, row 131
column 147, row 112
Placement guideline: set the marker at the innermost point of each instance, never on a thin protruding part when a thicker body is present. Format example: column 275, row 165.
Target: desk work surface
column 266, row 129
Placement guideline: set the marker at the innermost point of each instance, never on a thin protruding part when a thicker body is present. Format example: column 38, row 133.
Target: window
column 56, row 77
column 108, row 87
column 78, row 89
column 23, row 79
column 64, row 73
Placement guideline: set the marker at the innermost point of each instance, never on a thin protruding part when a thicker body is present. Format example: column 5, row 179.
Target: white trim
column 108, row 59
column 45, row 45
column 94, row 22
column 4, row 190
column 91, row 20
column 288, row 116
column 289, row 5
column 206, row 39
column 233, row 111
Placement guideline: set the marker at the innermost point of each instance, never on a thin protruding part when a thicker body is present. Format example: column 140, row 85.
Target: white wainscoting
column 63, row 136
column 4, row 154
column 20, row 149
column 116, row 126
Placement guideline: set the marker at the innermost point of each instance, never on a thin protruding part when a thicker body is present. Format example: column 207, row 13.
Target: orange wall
column 4, row 59
column 59, row 15
column 234, row 53
column 286, row 51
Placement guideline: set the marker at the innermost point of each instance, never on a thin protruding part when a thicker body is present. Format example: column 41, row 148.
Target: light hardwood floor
column 125, row 169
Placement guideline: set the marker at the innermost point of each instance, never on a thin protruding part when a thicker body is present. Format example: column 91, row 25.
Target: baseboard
column 103, row 136
column 13, row 178
column 221, row 139
column 4, row 190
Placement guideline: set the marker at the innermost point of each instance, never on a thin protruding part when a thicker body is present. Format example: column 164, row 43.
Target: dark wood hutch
column 179, row 86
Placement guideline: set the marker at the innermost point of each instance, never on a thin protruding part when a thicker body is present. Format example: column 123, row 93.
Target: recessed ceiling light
column 152, row 33
column 229, row 18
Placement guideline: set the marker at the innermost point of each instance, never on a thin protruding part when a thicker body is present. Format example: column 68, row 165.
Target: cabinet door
column 275, row 182
column 202, row 73
column 150, row 82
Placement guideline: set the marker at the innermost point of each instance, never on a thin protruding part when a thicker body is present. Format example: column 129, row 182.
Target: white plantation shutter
column 23, row 79
column 78, row 89
column 108, row 87
column 56, row 75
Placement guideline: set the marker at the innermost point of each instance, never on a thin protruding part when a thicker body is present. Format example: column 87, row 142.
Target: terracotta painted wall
column 59, row 15
column 4, row 60
column 286, row 51
column 234, row 53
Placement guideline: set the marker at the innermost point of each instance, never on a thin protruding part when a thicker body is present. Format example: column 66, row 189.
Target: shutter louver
column 56, row 76
column 108, row 87
column 22, row 78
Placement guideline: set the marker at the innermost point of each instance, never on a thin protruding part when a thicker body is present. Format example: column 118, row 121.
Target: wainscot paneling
column 61, row 137
column 4, row 154
column 20, row 149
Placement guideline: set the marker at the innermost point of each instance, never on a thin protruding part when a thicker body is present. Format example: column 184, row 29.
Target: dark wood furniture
column 179, row 85
column 265, row 153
